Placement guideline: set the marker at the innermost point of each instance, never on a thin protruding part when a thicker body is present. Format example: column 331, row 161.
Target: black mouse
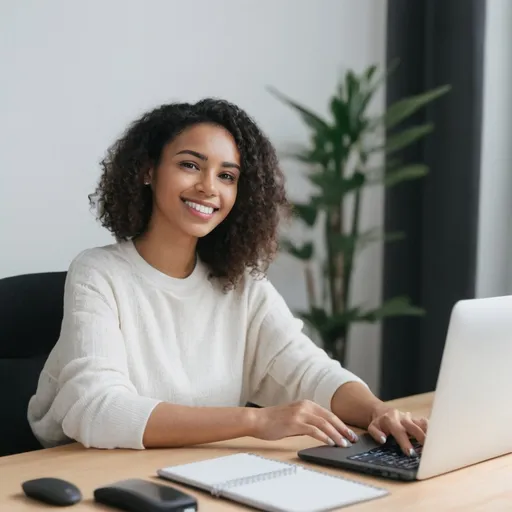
column 53, row 491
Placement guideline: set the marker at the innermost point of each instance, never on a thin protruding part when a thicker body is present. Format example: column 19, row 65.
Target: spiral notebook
column 271, row 485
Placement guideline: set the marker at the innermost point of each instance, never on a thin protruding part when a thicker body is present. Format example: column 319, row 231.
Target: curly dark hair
column 247, row 238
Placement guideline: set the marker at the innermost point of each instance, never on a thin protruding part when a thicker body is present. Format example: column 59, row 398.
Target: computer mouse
column 53, row 491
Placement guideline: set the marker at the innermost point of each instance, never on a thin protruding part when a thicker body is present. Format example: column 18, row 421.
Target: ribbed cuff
column 329, row 384
column 126, row 422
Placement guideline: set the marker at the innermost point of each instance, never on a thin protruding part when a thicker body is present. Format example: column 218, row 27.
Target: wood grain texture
column 483, row 487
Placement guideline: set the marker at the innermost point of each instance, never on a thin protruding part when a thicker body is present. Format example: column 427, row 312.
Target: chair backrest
column 31, row 310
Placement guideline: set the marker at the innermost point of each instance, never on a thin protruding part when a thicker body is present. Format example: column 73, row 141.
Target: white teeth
column 208, row 210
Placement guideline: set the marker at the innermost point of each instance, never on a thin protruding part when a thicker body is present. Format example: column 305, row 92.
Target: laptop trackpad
column 365, row 443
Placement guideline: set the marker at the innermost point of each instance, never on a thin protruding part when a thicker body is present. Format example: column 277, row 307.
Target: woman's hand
column 301, row 418
column 401, row 425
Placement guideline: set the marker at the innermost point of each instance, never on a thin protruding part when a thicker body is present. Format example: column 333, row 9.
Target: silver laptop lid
column 471, row 418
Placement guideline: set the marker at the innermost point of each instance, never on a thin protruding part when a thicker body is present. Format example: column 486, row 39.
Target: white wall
column 494, row 261
column 75, row 73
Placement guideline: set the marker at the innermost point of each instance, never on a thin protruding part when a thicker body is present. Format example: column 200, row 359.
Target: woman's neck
column 173, row 255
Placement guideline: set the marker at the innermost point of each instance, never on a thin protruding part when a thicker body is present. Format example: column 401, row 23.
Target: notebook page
column 304, row 491
column 209, row 472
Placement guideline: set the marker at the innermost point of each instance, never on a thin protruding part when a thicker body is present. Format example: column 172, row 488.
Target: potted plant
column 339, row 159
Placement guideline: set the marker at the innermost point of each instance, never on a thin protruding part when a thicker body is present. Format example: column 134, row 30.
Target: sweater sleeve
column 85, row 392
column 285, row 365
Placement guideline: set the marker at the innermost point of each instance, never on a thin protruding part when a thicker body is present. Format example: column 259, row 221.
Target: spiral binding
column 291, row 469
column 218, row 489
column 364, row 484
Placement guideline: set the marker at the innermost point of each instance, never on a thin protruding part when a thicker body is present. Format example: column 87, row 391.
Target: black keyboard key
column 390, row 455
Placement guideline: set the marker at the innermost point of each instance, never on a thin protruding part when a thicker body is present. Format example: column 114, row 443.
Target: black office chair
column 31, row 310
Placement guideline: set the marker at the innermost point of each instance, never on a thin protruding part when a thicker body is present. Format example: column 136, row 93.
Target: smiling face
column 195, row 183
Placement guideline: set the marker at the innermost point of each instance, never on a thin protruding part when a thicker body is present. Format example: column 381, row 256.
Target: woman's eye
column 227, row 176
column 189, row 165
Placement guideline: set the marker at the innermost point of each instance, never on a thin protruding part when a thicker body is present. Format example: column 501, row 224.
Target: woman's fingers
column 318, row 434
column 312, row 414
column 328, row 429
column 422, row 423
column 321, row 424
column 400, row 434
column 342, row 435
column 346, row 432
column 402, row 427
column 377, row 433
column 392, row 425
column 414, row 430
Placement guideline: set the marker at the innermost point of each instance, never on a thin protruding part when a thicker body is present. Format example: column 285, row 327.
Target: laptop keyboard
column 390, row 455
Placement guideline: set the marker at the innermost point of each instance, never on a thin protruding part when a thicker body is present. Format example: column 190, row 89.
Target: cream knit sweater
column 132, row 337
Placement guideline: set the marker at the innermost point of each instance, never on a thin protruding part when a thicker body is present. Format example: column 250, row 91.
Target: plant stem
column 337, row 225
column 330, row 263
column 341, row 345
column 349, row 260
column 337, row 228
column 310, row 286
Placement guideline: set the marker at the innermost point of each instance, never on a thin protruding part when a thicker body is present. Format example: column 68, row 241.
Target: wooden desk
column 483, row 487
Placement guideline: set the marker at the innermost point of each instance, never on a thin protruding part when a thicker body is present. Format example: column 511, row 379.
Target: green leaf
column 407, row 173
column 373, row 123
column 313, row 120
column 393, row 236
column 302, row 253
column 302, row 155
column 332, row 327
column 407, row 137
column 393, row 173
column 376, row 235
column 351, row 85
column 398, row 306
column 329, row 327
column 306, row 212
column 314, row 155
column 404, row 108
column 370, row 72
column 339, row 110
column 324, row 146
column 392, row 66
column 358, row 96
column 335, row 187
column 343, row 243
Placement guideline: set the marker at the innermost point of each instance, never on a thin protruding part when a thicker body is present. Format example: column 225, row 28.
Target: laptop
column 471, row 416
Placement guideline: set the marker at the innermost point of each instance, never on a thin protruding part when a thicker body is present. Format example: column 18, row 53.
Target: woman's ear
column 148, row 177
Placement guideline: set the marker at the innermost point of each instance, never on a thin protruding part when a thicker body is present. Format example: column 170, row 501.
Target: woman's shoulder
column 101, row 260
column 258, row 289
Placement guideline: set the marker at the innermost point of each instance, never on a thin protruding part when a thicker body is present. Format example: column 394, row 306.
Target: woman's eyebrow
column 205, row 158
column 193, row 153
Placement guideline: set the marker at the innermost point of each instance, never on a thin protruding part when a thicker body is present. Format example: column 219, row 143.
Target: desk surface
column 482, row 487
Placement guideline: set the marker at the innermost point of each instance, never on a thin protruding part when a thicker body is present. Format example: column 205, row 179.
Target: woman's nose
column 206, row 184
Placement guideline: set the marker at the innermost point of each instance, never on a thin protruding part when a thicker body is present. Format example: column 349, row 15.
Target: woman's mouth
column 200, row 210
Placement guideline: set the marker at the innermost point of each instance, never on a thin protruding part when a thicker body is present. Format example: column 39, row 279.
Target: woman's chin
column 199, row 231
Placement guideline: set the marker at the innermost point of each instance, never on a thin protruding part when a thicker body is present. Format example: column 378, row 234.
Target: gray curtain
column 438, row 42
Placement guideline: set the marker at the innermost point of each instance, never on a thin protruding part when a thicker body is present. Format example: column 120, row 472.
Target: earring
column 146, row 181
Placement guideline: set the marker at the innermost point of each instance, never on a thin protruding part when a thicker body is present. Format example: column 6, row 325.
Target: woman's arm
column 358, row 406
column 173, row 425
column 85, row 392
column 355, row 404
column 283, row 365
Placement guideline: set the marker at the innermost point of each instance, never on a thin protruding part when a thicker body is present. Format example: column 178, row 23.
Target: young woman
column 170, row 331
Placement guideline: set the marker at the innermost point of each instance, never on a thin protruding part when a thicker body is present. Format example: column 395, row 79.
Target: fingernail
column 345, row 443
column 412, row 453
column 382, row 439
column 353, row 435
column 330, row 442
